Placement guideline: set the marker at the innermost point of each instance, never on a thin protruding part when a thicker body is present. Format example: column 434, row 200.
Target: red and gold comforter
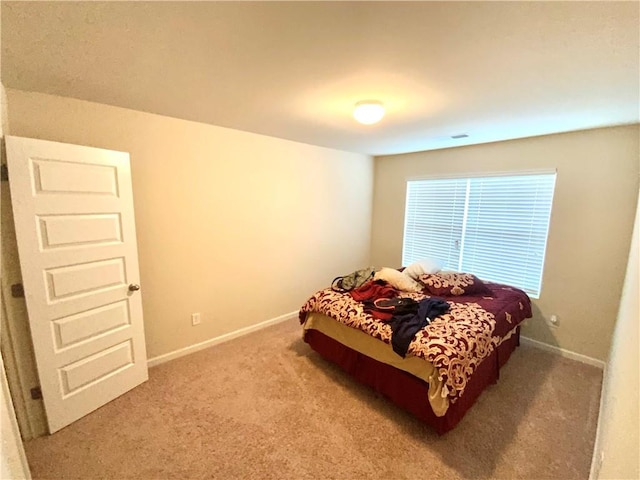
column 455, row 343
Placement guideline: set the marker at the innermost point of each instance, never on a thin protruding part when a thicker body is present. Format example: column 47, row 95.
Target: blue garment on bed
column 407, row 321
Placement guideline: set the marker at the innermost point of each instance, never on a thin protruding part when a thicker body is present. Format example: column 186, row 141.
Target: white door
column 73, row 210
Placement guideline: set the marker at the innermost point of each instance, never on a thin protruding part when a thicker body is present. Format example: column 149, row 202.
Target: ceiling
column 294, row 70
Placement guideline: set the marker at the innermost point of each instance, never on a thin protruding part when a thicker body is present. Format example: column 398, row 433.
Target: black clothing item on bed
column 385, row 308
column 408, row 320
column 395, row 302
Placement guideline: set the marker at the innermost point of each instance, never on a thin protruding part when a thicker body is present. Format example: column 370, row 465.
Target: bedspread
column 455, row 343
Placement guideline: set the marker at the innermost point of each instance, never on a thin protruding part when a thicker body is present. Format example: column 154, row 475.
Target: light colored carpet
column 267, row 406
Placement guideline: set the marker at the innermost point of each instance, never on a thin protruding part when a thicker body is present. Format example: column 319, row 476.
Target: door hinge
column 17, row 290
column 4, row 173
column 36, row 393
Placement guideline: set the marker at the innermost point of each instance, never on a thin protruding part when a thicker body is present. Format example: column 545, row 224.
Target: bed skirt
column 406, row 390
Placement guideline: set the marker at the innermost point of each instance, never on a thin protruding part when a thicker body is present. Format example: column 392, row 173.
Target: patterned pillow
column 453, row 283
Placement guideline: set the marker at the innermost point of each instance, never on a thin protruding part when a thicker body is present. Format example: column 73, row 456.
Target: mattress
column 382, row 352
column 404, row 389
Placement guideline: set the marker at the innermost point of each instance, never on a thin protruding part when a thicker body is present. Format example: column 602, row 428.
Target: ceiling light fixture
column 368, row 111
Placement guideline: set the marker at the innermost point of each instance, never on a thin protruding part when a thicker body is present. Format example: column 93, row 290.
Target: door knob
column 134, row 287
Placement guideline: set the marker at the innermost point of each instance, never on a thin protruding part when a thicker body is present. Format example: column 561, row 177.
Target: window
column 494, row 227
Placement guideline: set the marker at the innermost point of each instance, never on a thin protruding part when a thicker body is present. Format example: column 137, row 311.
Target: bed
column 448, row 363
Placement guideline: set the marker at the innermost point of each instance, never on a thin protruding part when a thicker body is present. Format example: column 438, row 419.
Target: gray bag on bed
column 353, row 280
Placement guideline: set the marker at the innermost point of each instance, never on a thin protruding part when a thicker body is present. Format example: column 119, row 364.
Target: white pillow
column 398, row 280
column 424, row 266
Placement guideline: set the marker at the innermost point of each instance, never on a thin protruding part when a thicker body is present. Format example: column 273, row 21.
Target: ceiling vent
column 461, row 135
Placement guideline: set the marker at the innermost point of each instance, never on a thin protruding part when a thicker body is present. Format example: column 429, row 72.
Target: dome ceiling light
column 368, row 111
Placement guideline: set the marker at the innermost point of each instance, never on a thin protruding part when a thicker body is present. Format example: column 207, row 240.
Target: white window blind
column 494, row 227
column 433, row 220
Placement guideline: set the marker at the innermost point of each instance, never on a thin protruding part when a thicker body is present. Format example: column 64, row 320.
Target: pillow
column 453, row 283
column 398, row 280
column 426, row 265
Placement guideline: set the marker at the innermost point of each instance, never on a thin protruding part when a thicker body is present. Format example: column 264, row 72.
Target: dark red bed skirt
column 407, row 391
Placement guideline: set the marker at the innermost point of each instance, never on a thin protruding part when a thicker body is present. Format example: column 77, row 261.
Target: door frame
column 17, row 346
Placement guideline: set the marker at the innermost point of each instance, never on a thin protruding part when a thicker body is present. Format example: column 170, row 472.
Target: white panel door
column 73, row 210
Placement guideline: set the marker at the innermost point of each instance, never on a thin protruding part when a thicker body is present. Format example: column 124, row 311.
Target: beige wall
column 237, row 226
column 617, row 444
column 590, row 229
column 13, row 462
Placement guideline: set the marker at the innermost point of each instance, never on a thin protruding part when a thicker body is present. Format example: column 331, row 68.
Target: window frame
column 484, row 174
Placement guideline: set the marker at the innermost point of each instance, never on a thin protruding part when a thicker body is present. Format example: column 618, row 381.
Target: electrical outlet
column 553, row 321
column 195, row 319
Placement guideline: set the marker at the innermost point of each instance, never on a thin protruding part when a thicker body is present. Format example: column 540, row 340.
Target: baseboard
column 563, row 353
column 152, row 362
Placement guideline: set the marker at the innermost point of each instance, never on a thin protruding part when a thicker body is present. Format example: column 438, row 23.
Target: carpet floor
column 266, row 406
